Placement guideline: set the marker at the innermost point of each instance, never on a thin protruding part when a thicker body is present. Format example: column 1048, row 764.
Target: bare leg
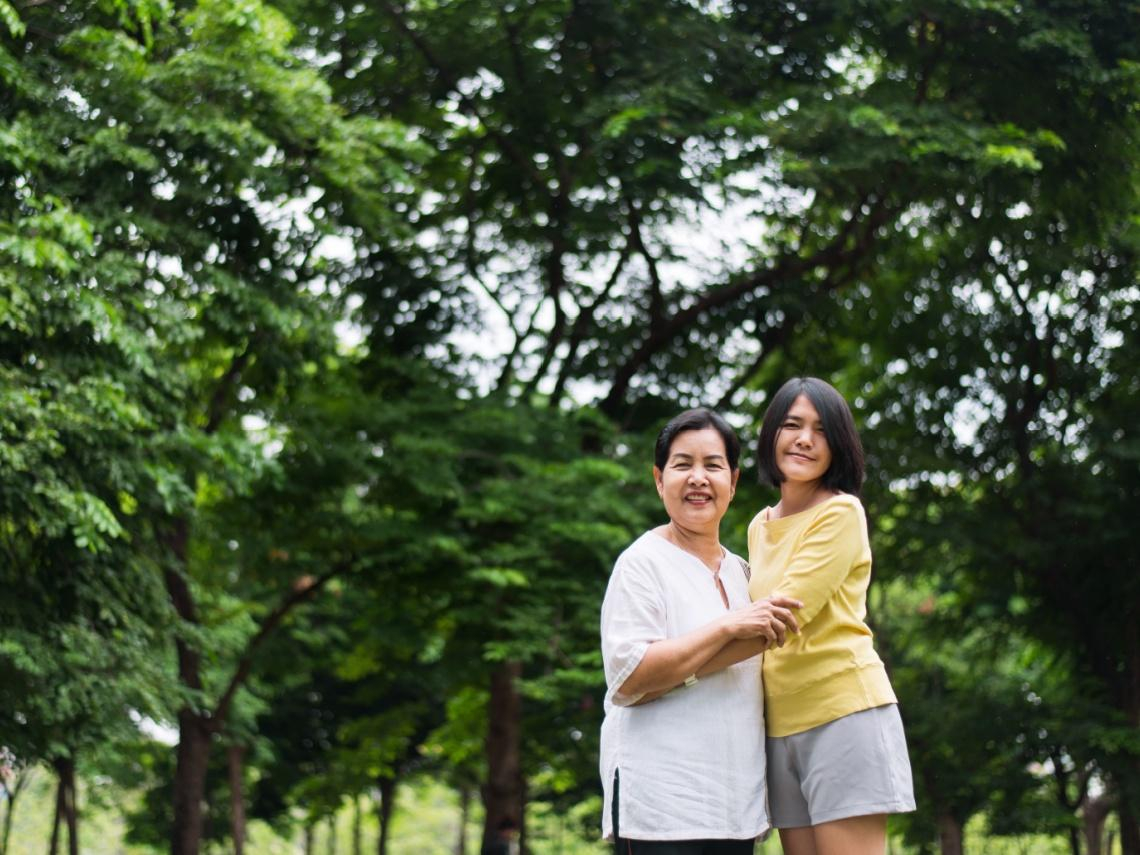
column 798, row 841
column 856, row 835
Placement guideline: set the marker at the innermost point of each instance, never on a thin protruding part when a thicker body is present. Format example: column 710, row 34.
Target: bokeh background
column 334, row 338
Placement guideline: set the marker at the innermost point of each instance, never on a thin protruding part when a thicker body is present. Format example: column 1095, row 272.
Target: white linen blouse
column 691, row 764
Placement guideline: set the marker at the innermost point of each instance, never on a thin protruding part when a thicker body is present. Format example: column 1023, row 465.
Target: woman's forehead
column 706, row 442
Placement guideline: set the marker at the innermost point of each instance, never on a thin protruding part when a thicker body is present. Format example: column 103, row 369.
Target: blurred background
column 334, row 338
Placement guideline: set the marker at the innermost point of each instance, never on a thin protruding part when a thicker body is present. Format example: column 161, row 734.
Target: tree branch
column 216, row 411
column 523, row 162
column 585, row 315
column 788, row 269
column 301, row 592
column 656, row 298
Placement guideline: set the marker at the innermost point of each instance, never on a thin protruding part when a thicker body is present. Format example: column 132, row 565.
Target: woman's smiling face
column 697, row 482
column 802, row 452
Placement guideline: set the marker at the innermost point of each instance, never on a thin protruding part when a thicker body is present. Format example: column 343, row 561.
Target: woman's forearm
column 735, row 651
column 670, row 661
column 667, row 663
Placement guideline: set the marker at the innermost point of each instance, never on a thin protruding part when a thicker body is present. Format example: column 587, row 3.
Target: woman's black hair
column 697, row 419
column 846, row 470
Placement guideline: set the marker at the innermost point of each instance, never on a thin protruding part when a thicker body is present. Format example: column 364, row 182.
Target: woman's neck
column 704, row 545
column 799, row 496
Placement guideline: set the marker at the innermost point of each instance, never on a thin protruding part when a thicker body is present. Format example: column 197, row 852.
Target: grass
column 426, row 822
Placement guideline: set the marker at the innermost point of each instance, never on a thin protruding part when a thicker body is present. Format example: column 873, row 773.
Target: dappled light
column 334, row 339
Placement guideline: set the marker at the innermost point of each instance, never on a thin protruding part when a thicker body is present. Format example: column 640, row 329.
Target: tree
column 205, row 289
column 873, row 156
column 904, row 178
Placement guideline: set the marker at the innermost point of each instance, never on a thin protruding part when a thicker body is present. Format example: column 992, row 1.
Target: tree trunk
column 196, row 728
column 356, row 825
column 21, row 781
column 1128, row 787
column 53, row 848
column 503, row 794
column 464, row 816
column 1093, row 817
column 193, row 727
column 66, row 811
column 235, row 761
column 330, row 842
column 307, row 842
column 71, row 808
column 949, row 835
column 190, row 782
column 387, row 797
column 1129, row 830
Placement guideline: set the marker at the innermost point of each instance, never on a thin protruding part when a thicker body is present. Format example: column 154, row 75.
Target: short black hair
column 845, row 473
column 697, row 419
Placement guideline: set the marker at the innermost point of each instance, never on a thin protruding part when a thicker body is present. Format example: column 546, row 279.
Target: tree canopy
column 334, row 336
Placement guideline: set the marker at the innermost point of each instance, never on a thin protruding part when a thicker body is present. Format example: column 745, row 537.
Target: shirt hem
column 859, row 689
column 868, row 809
column 691, row 834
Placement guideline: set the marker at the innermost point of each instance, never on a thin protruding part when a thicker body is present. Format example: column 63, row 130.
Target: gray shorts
column 854, row 766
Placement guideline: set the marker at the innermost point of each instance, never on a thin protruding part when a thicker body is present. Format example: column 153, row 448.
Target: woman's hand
column 770, row 618
column 668, row 662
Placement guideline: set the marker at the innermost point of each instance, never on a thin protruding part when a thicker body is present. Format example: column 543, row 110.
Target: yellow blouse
column 830, row 669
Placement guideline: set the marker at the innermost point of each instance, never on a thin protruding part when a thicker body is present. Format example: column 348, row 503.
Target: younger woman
column 837, row 758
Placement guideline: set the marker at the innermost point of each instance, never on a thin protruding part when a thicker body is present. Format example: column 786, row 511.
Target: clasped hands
column 769, row 618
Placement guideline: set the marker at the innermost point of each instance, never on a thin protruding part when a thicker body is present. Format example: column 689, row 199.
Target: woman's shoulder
column 843, row 503
column 837, row 508
column 645, row 551
column 841, row 517
column 757, row 520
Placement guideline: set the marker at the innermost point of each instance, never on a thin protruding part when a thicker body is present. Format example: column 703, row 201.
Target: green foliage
column 248, row 251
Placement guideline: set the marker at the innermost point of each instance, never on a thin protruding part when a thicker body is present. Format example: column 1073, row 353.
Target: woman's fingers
column 786, row 618
column 780, row 631
column 785, row 602
column 781, row 605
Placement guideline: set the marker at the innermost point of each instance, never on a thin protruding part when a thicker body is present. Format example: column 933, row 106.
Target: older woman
column 685, row 775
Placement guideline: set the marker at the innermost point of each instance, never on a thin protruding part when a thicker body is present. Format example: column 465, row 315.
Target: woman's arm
column 825, row 556
column 667, row 663
column 734, row 652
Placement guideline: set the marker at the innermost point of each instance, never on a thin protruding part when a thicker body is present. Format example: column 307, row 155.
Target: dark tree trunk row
column 949, row 835
column 504, row 790
column 235, row 762
column 1129, row 788
column 384, row 808
column 66, row 807
column 21, row 780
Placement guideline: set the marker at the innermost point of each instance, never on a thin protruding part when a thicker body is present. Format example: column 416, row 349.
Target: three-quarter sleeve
column 830, row 549
column 633, row 617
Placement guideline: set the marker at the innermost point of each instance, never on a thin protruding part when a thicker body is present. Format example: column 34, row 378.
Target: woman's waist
column 797, row 665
